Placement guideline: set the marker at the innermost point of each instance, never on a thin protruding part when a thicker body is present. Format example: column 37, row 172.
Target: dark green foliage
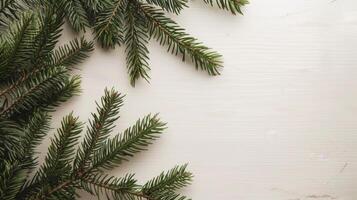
column 168, row 33
column 136, row 39
column 131, row 141
column 234, row 6
column 64, row 171
column 8, row 10
column 99, row 128
column 33, row 73
column 174, row 6
column 133, row 22
column 165, row 185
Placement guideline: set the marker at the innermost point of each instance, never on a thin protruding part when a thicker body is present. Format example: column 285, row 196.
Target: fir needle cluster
column 132, row 23
column 35, row 78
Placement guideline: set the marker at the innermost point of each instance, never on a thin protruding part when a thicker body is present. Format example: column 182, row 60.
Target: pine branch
column 110, row 186
column 61, row 151
column 17, row 45
column 54, row 97
column 109, row 24
column 168, row 33
column 136, row 39
column 133, row 140
column 10, row 134
column 174, row 6
column 12, row 177
column 100, row 127
column 35, row 130
column 34, row 92
column 50, row 31
column 71, row 54
column 167, row 183
column 8, row 11
column 234, row 6
column 76, row 14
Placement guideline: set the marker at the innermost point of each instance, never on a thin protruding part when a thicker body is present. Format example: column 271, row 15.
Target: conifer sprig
column 33, row 73
column 133, row 22
column 64, row 172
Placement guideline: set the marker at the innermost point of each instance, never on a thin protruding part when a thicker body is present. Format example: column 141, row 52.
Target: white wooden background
column 280, row 123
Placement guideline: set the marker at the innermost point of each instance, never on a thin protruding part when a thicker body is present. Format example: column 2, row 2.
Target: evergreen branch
column 136, row 39
column 34, row 91
column 50, row 31
column 100, row 127
column 71, row 54
column 12, row 177
column 17, row 42
column 110, row 186
column 108, row 28
column 133, row 140
column 61, row 151
column 174, row 6
column 8, row 11
column 57, row 166
column 168, row 33
column 76, row 14
column 234, row 6
column 35, row 130
column 10, row 134
column 167, row 183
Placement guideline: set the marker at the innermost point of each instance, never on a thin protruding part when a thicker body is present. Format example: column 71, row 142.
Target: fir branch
column 100, row 127
column 174, row 6
column 8, row 11
column 167, row 183
column 34, row 92
column 110, row 186
column 66, row 89
column 71, row 54
column 234, row 6
column 12, row 177
column 131, row 141
column 76, row 14
column 10, row 134
column 168, row 33
column 136, row 39
column 50, row 31
column 17, row 45
column 109, row 24
column 35, row 129
column 61, row 151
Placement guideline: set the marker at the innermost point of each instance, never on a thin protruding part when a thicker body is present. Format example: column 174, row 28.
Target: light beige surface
column 281, row 121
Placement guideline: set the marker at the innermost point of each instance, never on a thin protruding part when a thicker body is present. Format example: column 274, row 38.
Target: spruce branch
column 29, row 64
column 136, row 39
column 76, row 14
column 71, row 54
column 34, row 91
column 10, row 134
column 168, row 33
column 234, row 6
column 12, row 177
column 61, row 151
column 167, row 183
column 99, row 128
column 108, row 28
column 174, row 6
column 16, row 44
column 35, row 129
column 131, row 141
column 8, row 11
column 111, row 186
